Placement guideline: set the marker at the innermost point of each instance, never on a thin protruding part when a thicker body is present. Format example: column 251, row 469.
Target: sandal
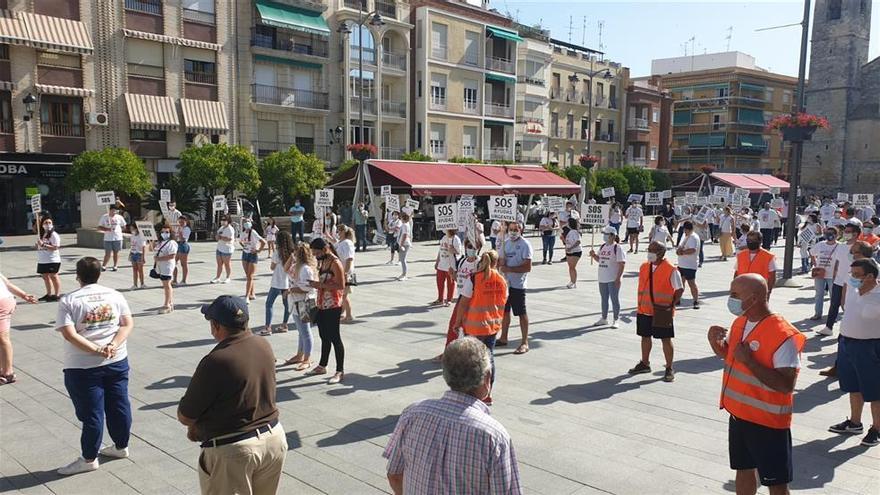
column 6, row 380
column 318, row 370
column 302, row 366
column 280, row 329
column 435, row 302
column 293, row 360
column 522, row 349
column 265, row 332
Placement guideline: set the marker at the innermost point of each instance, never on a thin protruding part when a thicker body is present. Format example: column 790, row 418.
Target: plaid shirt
column 452, row 446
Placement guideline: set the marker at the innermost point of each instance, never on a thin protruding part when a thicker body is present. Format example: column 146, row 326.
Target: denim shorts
column 223, row 255
column 136, row 257
column 183, row 248
column 113, row 246
column 249, row 257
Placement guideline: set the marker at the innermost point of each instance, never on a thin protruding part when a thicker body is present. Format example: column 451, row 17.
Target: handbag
column 307, row 310
column 153, row 272
column 662, row 314
column 351, row 279
column 818, row 272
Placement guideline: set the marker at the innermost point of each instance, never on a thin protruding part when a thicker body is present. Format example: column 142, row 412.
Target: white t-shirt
column 767, row 219
column 614, row 216
column 862, row 313
column 572, row 214
column 711, row 216
column 345, row 250
column 661, row 234
column 824, row 254
column 787, row 356
column 609, row 257
column 301, row 281
column 634, row 216
column 271, row 232
column 138, row 243
column 726, row 224
column 183, row 234
column 844, row 259
column 95, row 312
column 250, row 241
column 405, row 230
column 495, row 228
column 742, row 241
column 226, row 247
column 47, row 255
column 572, row 242
column 464, row 271
column 4, row 291
column 450, row 247
column 166, row 248
column 690, row 261
column 771, row 267
column 674, row 279
column 115, row 224
column 279, row 276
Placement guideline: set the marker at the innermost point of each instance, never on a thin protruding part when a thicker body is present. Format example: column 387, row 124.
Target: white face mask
column 514, row 234
column 652, row 257
column 166, row 235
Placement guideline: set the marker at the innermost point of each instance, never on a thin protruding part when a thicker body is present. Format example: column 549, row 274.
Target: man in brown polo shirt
column 229, row 407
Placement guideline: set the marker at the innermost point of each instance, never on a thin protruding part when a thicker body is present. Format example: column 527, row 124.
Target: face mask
column 514, row 235
column 753, row 246
column 847, row 237
column 866, row 231
column 608, row 238
column 735, row 306
column 248, row 225
column 652, row 257
column 856, row 283
column 166, row 235
column 471, row 253
column 48, row 227
column 830, row 236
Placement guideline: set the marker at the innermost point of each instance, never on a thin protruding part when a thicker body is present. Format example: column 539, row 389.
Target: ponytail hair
column 488, row 261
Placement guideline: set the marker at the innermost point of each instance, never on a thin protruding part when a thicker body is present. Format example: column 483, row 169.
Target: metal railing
column 62, row 129
column 468, row 151
column 391, row 153
column 500, row 65
column 555, row 93
column 471, row 107
column 266, row 148
column 637, row 123
column 387, row 8
column 438, row 149
column 313, row 47
column 437, row 103
column 498, row 153
column 199, row 16
column 289, row 97
column 200, row 77
column 355, row 4
column 146, row 71
column 530, row 80
column 439, row 51
column 6, row 127
column 394, row 108
column 369, row 105
column 640, row 162
column 369, row 55
column 498, row 109
column 531, row 157
column 153, row 7
column 394, row 60
column 528, row 119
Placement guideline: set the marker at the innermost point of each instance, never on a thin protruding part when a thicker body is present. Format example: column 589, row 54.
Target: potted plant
column 707, row 169
column 588, row 161
column 362, row 151
column 799, row 127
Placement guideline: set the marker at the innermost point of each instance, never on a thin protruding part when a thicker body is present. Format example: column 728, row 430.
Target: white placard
column 702, row 200
column 556, row 203
column 324, row 197
column 654, row 198
column 721, row 191
column 163, row 207
column 392, row 203
column 634, row 198
column 466, row 204
column 667, row 194
column 841, row 197
column 740, row 191
column 826, row 212
column 165, row 195
column 691, row 198
column 106, row 198
column 218, row 203
column 775, row 190
column 678, row 202
column 502, row 208
column 808, row 235
column 862, row 200
column 385, row 190
column 744, row 202
column 715, row 199
column 446, row 216
column 595, row 215
column 147, row 230
column 411, row 204
column 777, row 203
column 701, row 216
column 36, row 204
column 608, row 192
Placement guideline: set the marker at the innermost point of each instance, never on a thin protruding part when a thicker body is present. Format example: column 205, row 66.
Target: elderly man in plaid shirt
column 451, row 445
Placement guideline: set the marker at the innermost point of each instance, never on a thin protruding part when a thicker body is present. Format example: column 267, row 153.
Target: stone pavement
column 579, row 423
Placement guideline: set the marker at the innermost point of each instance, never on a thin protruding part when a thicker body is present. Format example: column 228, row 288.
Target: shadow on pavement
column 362, row 429
column 407, row 373
column 814, row 463
column 593, row 391
column 815, row 395
column 158, row 405
column 170, row 382
column 397, row 311
column 24, row 481
column 187, row 343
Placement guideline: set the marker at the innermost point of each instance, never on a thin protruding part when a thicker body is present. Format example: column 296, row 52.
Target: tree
column 416, row 156
column 110, row 169
column 344, row 167
column 555, row 169
column 662, row 181
column 611, row 177
column 187, row 200
column 574, row 173
column 288, row 174
column 219, row 169
column 638, row 178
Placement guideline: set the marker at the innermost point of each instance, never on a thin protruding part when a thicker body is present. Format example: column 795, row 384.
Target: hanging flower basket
column 362, row 151
column 707, row 169
column 797, row 128
column 588, row 161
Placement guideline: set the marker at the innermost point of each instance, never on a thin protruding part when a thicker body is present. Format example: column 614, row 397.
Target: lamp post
column 30, row 102
column 589, row 75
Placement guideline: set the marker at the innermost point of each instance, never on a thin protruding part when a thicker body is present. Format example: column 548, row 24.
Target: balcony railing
column 153, row 7
column 369, row 105
column 438, row 103
column 468, row 151
column 471, row 107
column 394, row 60
column 289, row 97
column 498, row 110
column 608, row 137
column 531, row 157
column 499, row 153
column 199, row 16
column 438, row 149
column 528, row 119
column 394, row 108
column 313, row 47
column 535, row 81
column 201, row 77
column 387, row 8
column 641, row 124
column 439, row 51
column 612, row 103
column 640, row 162
column 355, row 4
column 369, row 55
column 391, row 153
column 6, row 127
column 500, row 65
column 62, row 129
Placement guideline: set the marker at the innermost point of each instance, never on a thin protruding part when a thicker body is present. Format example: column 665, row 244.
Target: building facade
column 533, row 96
column 648, row 124
column 586, row 101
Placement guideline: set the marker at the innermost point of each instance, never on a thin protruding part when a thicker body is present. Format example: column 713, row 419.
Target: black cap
column 229, row 311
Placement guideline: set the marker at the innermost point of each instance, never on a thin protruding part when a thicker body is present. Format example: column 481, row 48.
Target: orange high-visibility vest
column 759, row 265
column 742, row 393
column 663, row 290
column 486, row 309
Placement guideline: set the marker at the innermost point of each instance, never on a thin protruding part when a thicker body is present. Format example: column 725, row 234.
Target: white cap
column 609, row 230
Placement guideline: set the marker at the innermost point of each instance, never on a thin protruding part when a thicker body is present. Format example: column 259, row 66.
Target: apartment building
column 648, row 124
column 586, row 98
column 720, row 111
column 464, row 81
column 532, row 95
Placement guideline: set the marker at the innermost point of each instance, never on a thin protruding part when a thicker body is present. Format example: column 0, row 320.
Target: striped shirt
column 452, row 446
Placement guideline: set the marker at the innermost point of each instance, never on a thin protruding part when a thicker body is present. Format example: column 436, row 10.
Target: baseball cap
column 609, row 230
column 229, row 311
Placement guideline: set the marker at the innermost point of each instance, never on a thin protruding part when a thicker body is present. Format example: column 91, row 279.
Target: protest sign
column 775, row 191
column 106, row 198
column 595, row 215
column 634, row 198
column 218, row 203
column 654, row 198
column 678, row 202
column 701, row 216
column 324, row 197
column 466, row 204
column 163, row 207
column 690, row 198
column 392, row 203
column 667, row 194
column 502, row 208
column 165, row 195
column 862, row 200
column 385, row 190
column 446, row 216
column 608, row 192
column 411, row 204
column 808, row 235
column 841, row 197
column 556, row 203
column 721, row 191
column 740, row 191
column 36, row 204
column 777, row 203
column 147, row 230
column 702, row 200
column 715, row 199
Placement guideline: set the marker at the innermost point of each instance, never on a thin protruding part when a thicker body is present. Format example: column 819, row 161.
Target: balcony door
column 264, row 75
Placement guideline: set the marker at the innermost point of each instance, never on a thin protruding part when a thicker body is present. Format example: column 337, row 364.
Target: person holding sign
column 822, row 255
column 111, row 224
column 181, row 235
column 548, row 226
column 612, row 260
column 635, row 224
column 164, row 264
column 807, row 235
column 404, row 241
column 49, row 260
column 755, row 259
column 392, row 231
column 615, row 217
column 225, row 247
column 136, row 256
column 515, row 263
column 767, row 221
column 444, row 266
column 252, row 245
column 573, row 251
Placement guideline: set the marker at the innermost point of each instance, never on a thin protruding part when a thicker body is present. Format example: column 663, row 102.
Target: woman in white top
column 49, row 260
column 301, row 269
column 549, row 225
column 615, row 216
column 725, row 225
column 345, row 253
column 464, row 267
column 611, row 259
column 404, row 240
column 392, row 229
column 271, row 233
column 447, row 255
column 166, row 252
column 573, row 251
column 659, row 232
column 251, row 246
column 8, row 291
column 136, row 256
column 225, row 247
column 280, row 283
column 182, row 235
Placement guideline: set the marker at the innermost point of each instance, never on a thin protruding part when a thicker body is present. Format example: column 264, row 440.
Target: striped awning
column 12, row 30
column 161, row 38
column 48, row 89
column 55, row 33
column 152, row 112
column 202, row 116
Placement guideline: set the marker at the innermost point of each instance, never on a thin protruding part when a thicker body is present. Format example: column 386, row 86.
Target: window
column 438, row 91
column 144, row 58
column 569, row 126
column 722, row 93
column 471, row 98
column 469, row 142
column 585, row 129
column 190, row 137
column 437, row 140
column 147, row 135
column 369, row 84
column 267, row 135
column 786, row 97
column 198, row 71
column 61, row 117
column 716, row 122
column 472, row 48
column 656, row 116
column 600, row 90
column 419, row 84
column 418, row 134
column 153, row 7
column 59, row 60
column 201, row 11
column 68, row 9
column 554, row 124
column 6, row 113
column 653, row 153
column 439, row 34
column 834, row 8
column 4, row 52
column 369, row 45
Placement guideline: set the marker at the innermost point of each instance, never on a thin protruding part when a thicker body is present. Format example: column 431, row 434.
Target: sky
column 635, row 32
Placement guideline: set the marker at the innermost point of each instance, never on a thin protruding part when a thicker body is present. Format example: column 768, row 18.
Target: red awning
column 527, row 180
column 754, row 183
column 431, row 179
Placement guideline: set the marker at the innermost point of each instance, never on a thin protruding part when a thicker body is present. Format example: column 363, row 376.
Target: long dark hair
column 284, row 242
column 47, row 233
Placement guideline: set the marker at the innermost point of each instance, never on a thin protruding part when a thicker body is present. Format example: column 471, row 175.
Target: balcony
column 638, row 124
column 471, row 107
column 529, row 119
column 369, row 55
column 600, row 101
column 289, row 42
column 438, row 150
column 612, row 103
column 555, row 93
column 149, row 149
column 152, row 7
column 289, row 97
column 369, row 105
column 504, row 110
column 355, row 4
column 439, row 52
column 533, row 80
column 198, row 16
column 62, row 138
column 437, row 103
column 531, row 157
column 200, row 77
column 394, row 109
column 468, row 151
column 387, row 8
column 496, row 154
column 62, row 129
column 394, row 60
column 640, row 162
column 391, row 153
column 500, row 65
column 6, row 126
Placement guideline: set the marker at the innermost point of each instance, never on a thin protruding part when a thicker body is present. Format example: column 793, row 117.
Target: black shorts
column 754, row 446
column 516, row 301
column 48, row 267
column 632, row 231
column 575, row 255
column 645, row 328
column 687, row 273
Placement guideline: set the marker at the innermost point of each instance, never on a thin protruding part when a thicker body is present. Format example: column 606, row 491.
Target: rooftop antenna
column 729, row 36
column 584, row 33
column 570, row 24
column 693, row 42
column 601, row 25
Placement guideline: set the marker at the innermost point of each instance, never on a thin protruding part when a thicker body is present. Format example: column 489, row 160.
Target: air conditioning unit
column 98, row 119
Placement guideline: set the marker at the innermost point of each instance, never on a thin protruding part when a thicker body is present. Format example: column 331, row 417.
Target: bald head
column 751, row 289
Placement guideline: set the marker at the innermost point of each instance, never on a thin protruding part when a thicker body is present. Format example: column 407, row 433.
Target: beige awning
column 12, row 30
column 161, row 38
column 152, row 112
column 55, row 33
column 202, row 116
column 47, row 89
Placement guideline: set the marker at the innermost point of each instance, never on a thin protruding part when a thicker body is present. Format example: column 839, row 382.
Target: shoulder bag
column 153, row 272
column 662, row 314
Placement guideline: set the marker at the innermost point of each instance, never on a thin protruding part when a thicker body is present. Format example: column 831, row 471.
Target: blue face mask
column 856, row 283
column 735, row 306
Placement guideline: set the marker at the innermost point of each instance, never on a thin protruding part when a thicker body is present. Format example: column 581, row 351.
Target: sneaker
column 639, row 369
column 143, row 286
column 601, row 323
column 615, row 324
column 80, row 465
column 336, row 378
column 103, row 268
column 571, row 286
column 226, row 281
column 112, row 451
column 113, row 269
column 550, row 262
column 668, row 375
column 215, row 280
column 872, row 438
column 133, row 287
column 164, row 310
column 402, row 278
column 825, row 331
column 847, row 428
column 389, row 263
column 696, row 304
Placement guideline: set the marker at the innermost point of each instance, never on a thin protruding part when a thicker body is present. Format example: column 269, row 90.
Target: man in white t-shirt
column 822, row 255
column 840, row 273
column 95, row 322
column 111, row 224
column 767, row 221
column 688, row 252
column 635, row 219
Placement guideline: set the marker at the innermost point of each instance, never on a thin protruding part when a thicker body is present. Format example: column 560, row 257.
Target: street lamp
column 335, row 135
column 30, row 103
column 590, row 75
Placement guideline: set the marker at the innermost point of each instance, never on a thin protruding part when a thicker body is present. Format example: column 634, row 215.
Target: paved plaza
column 579, row 423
